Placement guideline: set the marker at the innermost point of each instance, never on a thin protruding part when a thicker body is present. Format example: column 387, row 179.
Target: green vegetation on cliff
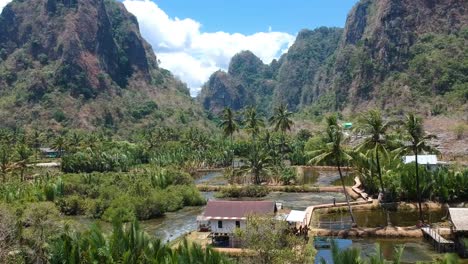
column 83, row 64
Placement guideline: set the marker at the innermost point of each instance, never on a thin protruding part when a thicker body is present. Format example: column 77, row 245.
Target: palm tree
column 333, row 151
column 418, row 142
column 281, row 121
column 74, row 141
column 5, row 160
column 59, row 145
column 23, row 153
column 376, row 128
column 253, row 122
column 229, row 125
column 258, row 164
column 36, row 142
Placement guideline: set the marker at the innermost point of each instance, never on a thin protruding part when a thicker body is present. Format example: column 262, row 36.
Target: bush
column 248, row 191
column 288, row 175
column 122, row 208
column 95, row 208
column 72, row 205
column 59, row 116
column 460, row 131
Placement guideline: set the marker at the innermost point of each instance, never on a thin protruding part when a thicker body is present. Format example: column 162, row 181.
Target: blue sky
column 194, row 38
column 251, row 16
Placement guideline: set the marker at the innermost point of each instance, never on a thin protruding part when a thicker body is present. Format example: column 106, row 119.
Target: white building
column 223, row 217
column 422, row 159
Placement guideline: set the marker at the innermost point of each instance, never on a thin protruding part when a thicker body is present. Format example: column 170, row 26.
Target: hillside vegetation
column 83, row 64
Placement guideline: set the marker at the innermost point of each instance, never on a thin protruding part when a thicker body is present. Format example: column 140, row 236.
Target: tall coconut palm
column 418, row 142
column 23, row 155
column 229, row 126
column 253, row 122
column 35, row 141
column 281, row 121
column 373, row 125
column 334, row 151
column 59, row 145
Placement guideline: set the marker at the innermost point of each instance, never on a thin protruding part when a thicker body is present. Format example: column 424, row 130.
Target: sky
column 194, row 38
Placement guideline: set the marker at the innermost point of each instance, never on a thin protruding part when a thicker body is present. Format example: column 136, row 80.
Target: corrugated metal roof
column 296, row 216
column 459, row 218
column 422, row 159
column 237, row 209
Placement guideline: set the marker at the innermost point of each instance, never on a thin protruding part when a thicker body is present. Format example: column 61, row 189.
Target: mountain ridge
column 84, row 64
column 397, row 55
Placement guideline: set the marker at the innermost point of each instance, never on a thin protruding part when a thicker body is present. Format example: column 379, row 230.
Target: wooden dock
column 439, row 242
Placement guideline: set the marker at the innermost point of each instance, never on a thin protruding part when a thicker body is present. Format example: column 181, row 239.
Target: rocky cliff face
column 299, row 66
column 79, row 63
column 247, row 82
column 397, row 55
column 288, row 80
column 93, row 43
column 381, row 41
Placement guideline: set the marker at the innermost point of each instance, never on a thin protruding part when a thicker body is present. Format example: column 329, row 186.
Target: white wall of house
column 228, row 226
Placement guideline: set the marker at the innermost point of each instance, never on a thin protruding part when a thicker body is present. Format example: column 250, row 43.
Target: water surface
column 377, row 218
column 415, row 249
column 317, row 177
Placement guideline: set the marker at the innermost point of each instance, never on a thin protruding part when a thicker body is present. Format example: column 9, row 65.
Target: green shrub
column 72, row 205
column 59, row 116
column 95, row 208
column 122, row 207
column 247, row 191
column 288, row 175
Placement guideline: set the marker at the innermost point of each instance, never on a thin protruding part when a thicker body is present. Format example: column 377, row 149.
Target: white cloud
column 194, row 55
column 3, row 3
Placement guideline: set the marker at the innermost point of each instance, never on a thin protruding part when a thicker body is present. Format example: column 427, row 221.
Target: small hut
column 459, row 227
column 223, row 217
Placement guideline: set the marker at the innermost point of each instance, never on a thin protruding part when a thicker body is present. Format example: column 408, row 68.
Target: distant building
column 429, row 160
column 49, row 152
column 422, row 159
column 223, row 217
column 459, row 227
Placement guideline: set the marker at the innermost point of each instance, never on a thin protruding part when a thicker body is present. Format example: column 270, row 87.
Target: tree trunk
column 379, row 171
column 417, row 186
column 232, row 154
column 282, row 148
column 346, row 193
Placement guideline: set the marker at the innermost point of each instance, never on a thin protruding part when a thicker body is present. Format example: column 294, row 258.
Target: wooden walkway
column 440, row 242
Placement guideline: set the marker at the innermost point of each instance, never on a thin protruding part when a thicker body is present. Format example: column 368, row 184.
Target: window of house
column 238, row 224
column 220, row 224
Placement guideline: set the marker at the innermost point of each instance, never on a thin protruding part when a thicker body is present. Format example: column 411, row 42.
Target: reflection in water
column 414, row 249
column 211, row 178
column 313, row 176
column 378, row 218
